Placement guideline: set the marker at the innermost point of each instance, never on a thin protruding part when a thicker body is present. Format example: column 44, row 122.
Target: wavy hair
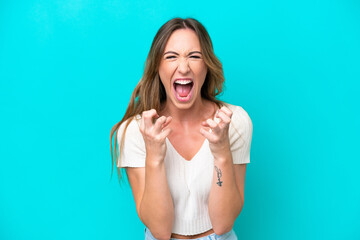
column 150, row 92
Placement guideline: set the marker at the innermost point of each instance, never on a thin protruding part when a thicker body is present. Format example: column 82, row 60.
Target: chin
column 183, row 105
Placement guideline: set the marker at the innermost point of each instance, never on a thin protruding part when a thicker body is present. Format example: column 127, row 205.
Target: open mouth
column 183, row 89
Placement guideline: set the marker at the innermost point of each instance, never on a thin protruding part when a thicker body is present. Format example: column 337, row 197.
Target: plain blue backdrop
column 68, row 68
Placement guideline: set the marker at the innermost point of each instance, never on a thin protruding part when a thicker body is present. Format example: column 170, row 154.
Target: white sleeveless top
column 189, row 181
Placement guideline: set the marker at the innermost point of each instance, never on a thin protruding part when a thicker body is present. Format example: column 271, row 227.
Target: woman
column 184, row 151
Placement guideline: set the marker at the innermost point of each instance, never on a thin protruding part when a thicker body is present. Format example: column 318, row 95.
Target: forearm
column 157, row 209
column 225, row 202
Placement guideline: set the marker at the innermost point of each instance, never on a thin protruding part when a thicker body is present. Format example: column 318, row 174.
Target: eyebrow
column 172, row 52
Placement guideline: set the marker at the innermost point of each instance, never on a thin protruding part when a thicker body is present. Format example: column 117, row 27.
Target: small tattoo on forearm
column 219, row 174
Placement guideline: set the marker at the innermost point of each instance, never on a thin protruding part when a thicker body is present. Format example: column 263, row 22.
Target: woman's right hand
column 154, row 134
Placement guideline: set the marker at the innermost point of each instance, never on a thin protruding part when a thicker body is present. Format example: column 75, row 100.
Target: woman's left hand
column 217, row 133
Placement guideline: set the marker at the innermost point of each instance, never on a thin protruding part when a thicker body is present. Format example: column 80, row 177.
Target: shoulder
column 132, row 149
column 240, row 134
column 241, row 123
column 132, row 126
column 238, row 113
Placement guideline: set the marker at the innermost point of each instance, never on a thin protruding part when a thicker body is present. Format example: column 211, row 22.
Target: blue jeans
column 226, row 236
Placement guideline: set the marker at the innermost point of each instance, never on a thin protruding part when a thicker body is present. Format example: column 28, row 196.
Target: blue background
column 68, row 68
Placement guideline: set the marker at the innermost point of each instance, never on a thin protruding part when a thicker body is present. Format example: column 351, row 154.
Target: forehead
column 183, row 40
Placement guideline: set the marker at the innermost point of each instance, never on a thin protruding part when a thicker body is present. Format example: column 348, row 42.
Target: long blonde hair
column 150, row 92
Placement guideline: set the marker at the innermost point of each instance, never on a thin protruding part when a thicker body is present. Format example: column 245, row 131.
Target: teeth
column 183, row 82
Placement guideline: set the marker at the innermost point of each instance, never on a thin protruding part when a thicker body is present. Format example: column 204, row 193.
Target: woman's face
column 182, row 69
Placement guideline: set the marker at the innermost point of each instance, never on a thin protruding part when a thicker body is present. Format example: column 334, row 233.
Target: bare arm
column 153, row 200
column 157, row 208
column 226, row 197
column 149, row 185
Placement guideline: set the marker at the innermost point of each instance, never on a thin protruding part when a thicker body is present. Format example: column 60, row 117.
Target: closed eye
column 195, row 56
column 170, row 57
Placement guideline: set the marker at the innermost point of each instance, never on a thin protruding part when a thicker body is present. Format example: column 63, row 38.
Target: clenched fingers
column 226, row 110
column 147, row 119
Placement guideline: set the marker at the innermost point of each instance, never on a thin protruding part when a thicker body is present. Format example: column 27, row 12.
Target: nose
column 183, row 67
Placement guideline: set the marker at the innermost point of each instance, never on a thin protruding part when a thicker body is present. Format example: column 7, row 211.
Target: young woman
column 184, row 151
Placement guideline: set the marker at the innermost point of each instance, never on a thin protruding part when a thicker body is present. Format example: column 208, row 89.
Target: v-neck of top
column 177, row 153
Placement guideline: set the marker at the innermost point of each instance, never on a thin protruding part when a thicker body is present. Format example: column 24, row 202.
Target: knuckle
column 159, row 121
column 227, row 111
column 146, row 133
column 144, row 114
column 148, row 113
column 162, row 119
column 157, row 138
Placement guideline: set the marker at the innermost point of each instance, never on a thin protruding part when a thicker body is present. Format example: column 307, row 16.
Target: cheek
column 165, row 73
column 200, row 70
